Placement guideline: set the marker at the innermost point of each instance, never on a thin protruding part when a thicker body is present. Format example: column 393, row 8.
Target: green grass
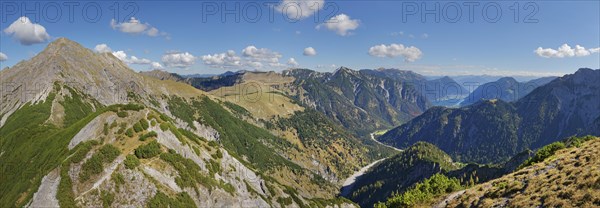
column 75, row 107
column 32, row 148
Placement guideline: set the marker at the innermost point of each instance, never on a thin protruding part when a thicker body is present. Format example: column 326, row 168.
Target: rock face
column 493, row 130
column 46, row 194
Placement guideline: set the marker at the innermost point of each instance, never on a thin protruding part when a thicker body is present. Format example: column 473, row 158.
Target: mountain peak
column 507, row 80
column 344, row 70
column 60, row 43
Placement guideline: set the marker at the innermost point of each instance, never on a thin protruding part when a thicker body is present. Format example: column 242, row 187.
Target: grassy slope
column 569, row 177
column 32, row 148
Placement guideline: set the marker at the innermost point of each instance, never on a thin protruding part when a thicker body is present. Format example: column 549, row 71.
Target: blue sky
column 184, row 37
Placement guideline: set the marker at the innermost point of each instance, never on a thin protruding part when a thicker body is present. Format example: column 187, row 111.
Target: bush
column 129, row 132
column 131, row 162
column 94, row 165
column 148, row 150
column 422, row 192
column 543, row 153
column 107, row 198
column 122, row 114
column 148, row 135
column 133, row 107
column 144, row 124
column 137, row 127
column 162, row 200
column 118, row 179
column 164, row 126
column 105, row 130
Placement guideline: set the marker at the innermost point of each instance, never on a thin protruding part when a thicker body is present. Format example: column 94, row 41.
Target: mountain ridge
column 549, row 113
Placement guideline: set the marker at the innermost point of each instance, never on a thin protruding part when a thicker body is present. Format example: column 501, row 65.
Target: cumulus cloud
column 410, row 54
column 3, row 57
column 250, row 57
column 310, row 51
column 565, row 51
column 261, row 55
column 156, row 65
column 102, row 48
column 178, row 59
column 134, row 26
column 341, row 24
column 292, row 62
column 121, row 55
column 131, row 60
column 222, row 60
column 27, row 33
column 299, row 9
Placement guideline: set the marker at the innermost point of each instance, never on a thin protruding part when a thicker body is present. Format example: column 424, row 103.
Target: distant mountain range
column 494, row 130
column 507, row 89
column 362, row 101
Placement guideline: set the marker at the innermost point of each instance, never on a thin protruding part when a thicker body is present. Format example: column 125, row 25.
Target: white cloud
column 134, row 26
column 222, row 60
column 299, row 9
column 565, row 51
column 121, row 55
column 410, row 54
column 292, row 62
column 27, row 33
column 310, row 51
column 261, row 55
column 340, row 24
column 425, row 36
column 3, row 57
column 178, row 59
column 251, row 58
column 141, row 61
column 102, row 48
column 156, row 65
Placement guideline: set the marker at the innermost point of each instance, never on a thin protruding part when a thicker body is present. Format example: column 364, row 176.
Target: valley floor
column 349, row 182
